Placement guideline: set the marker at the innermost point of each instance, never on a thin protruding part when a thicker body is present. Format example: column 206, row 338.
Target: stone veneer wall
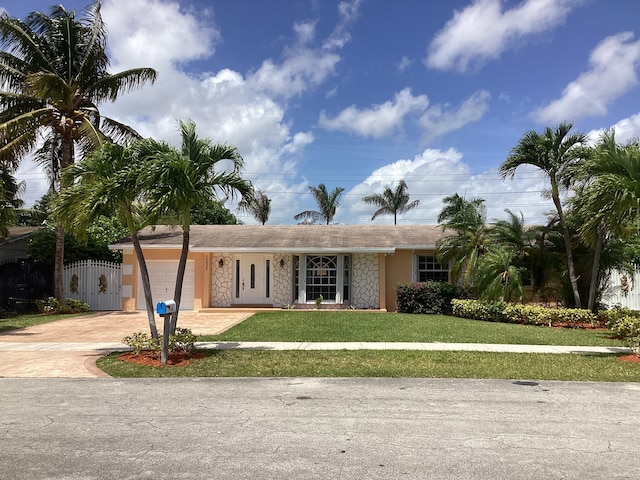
column 281, row 291
column 221, row 280
column 365, row 280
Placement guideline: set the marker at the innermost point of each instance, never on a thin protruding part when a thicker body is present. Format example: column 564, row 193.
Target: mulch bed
column 152, row 359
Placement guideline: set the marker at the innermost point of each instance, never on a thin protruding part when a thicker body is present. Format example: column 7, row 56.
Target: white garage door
column 162, row 275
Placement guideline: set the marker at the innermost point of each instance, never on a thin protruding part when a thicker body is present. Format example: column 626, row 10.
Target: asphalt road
column 308, row 428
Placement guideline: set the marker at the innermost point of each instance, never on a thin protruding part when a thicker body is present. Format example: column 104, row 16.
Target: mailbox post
column 165, row 309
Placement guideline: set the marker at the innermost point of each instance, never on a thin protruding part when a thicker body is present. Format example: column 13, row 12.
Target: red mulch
column 632, row 357
column 152, row 359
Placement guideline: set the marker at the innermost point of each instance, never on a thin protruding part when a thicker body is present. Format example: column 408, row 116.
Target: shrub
column 523, row 314
column 69, row 305
column 183, row 341
column 628, row 329
column 425, row 297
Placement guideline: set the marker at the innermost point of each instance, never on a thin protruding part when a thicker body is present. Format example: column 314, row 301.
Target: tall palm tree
column 108, row 180
column 327, row 204
column 467, row 219
column 557, row 154
column 258, row 205
column 391, row 202
column 53, row 71
column 609, row 204
column 178, row 179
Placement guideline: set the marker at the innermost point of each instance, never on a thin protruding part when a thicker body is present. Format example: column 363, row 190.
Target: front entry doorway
column 252, row 280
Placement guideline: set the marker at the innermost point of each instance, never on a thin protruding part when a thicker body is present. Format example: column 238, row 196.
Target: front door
column 252, row 279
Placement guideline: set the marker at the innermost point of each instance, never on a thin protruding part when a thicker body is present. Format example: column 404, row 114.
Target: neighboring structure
column 355, row 266
column 14, row 246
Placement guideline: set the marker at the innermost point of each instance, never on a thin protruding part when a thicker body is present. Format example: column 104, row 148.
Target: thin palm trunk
column 567, row 244
column 182, row 266
column 58, row 273
column 146, row 285
column 595, row 270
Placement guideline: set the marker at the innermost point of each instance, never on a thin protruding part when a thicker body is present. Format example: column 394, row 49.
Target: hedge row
column 522, row 314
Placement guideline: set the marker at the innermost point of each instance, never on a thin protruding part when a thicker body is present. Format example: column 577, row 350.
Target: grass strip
column 386, row 363
column 325, row 326
column 23, row 321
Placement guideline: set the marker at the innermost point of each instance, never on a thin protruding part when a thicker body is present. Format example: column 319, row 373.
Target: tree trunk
column 595, row 270
column 182, row 266
column 146, row 285
column 58, row 270
column 567, row 244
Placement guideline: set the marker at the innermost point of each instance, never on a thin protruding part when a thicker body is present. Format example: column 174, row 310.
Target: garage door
column 162, row 275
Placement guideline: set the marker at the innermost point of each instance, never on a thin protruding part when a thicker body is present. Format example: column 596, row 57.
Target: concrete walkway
column 70, row 348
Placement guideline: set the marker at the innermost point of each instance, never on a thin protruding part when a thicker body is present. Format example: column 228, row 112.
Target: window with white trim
column 428, row 268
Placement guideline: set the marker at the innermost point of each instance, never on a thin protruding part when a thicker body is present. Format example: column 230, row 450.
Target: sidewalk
column 38, row 352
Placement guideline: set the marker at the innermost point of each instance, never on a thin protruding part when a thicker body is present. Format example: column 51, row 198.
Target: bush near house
column 522, row 314
column 624, row 323
column 69, row 305
column 426, row 297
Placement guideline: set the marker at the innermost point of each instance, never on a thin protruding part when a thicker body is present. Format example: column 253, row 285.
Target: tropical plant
column 107, row 181
column 178, row 179
column 258, row 205
column 391, row 202
column 327, row 205
column 497, row 277
column 53, row 70
column 557, row 154
column 10, row 189
column 466, row 219
column 212, row 212
column 609, row 204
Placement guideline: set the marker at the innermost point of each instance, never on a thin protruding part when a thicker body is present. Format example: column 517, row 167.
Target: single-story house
column 356, row 266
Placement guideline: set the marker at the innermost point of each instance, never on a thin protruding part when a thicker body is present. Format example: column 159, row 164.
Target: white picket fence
column 623, row 290
column 96, row 282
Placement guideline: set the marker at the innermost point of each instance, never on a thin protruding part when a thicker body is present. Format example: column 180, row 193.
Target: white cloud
column 626, row 130
column 483, row 31
column 378, row 121
column 438, row 120
column 348, row 12
column 613, row 64
column 386, row 119
column 404, row 63
column 435, row 174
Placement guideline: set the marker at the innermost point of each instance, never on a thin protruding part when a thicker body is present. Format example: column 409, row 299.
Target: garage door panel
column 162, row 276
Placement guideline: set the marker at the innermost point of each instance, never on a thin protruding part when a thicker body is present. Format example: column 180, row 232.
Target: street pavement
column 316, row 428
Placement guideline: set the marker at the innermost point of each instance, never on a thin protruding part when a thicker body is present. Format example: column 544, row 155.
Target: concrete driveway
column 70, row 348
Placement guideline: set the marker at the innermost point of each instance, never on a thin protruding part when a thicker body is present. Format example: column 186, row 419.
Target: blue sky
column 362, row 93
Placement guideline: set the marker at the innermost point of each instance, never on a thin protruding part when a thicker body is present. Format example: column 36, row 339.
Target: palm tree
column 178, row 179
column 467, row 219
column 107, row 181
column 497, row 276
column 258, row 205
column 53, row 71
column 391, row 202
column 609, row 204
column 327, row 203
column 557, row 154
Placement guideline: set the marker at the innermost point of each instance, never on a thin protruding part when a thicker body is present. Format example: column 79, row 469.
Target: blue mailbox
column 165, row 308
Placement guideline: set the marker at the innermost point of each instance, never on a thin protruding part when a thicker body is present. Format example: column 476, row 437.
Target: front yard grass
column 390, row 327
column 389, row 363
column 313, row 326
column 23, row 321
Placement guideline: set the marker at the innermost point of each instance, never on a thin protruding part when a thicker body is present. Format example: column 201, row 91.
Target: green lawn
column 389, row 327
column 312, row 326
column 369, row 363
column 23, row 321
